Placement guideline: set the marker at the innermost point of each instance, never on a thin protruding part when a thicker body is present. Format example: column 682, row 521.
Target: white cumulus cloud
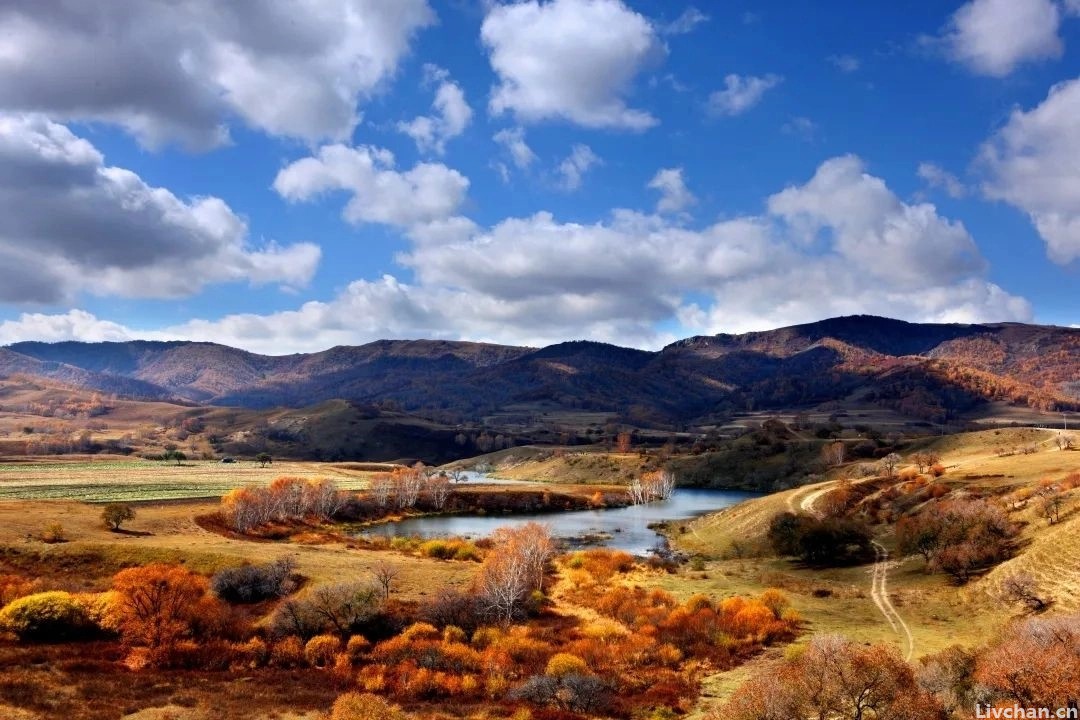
column 428, row 192
column 993, row 37
column 573, row 60
column 452, row 115
column 1033, row 163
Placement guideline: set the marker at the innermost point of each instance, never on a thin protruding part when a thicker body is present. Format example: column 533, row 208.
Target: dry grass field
column 168, row 532
column 96, row 479
column 574, row 468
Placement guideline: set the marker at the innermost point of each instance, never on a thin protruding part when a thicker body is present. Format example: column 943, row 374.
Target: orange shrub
column 453, row 634
column 287, row 652
column 254, row 653
column 321, row 649
column 357, row 646
column 342, row 670
column 776, row 601
column 937, row 470
column 562, row 664
column 372, row 678
column 13, row 587
column 365, row 706
column 420, row 631
column 602, row 564
column 158, row 604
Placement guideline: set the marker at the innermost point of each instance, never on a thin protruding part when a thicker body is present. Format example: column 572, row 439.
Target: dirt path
column 879, row 576
column 807, row 503
column 879, row 592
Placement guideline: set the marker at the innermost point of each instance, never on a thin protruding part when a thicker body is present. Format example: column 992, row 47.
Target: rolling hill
column 926, row 371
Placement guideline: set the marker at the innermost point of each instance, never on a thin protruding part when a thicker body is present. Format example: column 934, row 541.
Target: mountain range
column 929, row 371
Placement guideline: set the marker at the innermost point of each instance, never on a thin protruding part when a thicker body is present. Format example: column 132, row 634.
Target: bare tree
column 1022, row 587
column 1064, row 442
column 889, row 463
column 513, row 567
column 439, row 490
column 1051, row 502
column 408, row 484
column 385, row 574
column 925, row 459
column 833, row 453
column 381, row 488
column 652, row 486
column 322, row 498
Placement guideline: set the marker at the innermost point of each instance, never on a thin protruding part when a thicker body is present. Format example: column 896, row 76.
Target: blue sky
column 291, row 175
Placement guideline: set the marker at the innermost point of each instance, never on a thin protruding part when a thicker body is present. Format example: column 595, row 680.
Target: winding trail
column 879, row 575
column 807, row 503
column 879, row 592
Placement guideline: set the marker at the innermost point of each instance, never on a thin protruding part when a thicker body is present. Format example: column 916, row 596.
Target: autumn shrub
column 908, row 474
column 206, row 654
column 254, row 583
column 1035, row 663
column 287, row 652
column 604, row 630
column 372, row 678
column 254, row 653
column 453, row 634
column 562, row 664
column 453, row 607
column 52, row 616
column 602, row 564
column 13, row 587
column 158, row 604
column 776, row 601
column 420, row 631
column 342, row 608
column 833, row 677
column 571, row 692
column 53, row 533
column 440, row 549
column 357, row 646
column 321, row 649
column 958, row 537
column 937, row 470
column 365, row 706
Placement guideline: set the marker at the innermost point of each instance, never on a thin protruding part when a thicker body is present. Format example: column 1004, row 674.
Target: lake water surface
column 628, row 526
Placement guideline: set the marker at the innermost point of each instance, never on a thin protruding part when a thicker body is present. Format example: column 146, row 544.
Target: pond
column 619, row 528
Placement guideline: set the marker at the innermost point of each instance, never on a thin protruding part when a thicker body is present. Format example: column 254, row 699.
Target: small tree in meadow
column 116, row 514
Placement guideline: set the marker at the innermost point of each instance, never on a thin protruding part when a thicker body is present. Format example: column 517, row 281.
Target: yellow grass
column 173, row 536
column 575, row 467
column 111, row 479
